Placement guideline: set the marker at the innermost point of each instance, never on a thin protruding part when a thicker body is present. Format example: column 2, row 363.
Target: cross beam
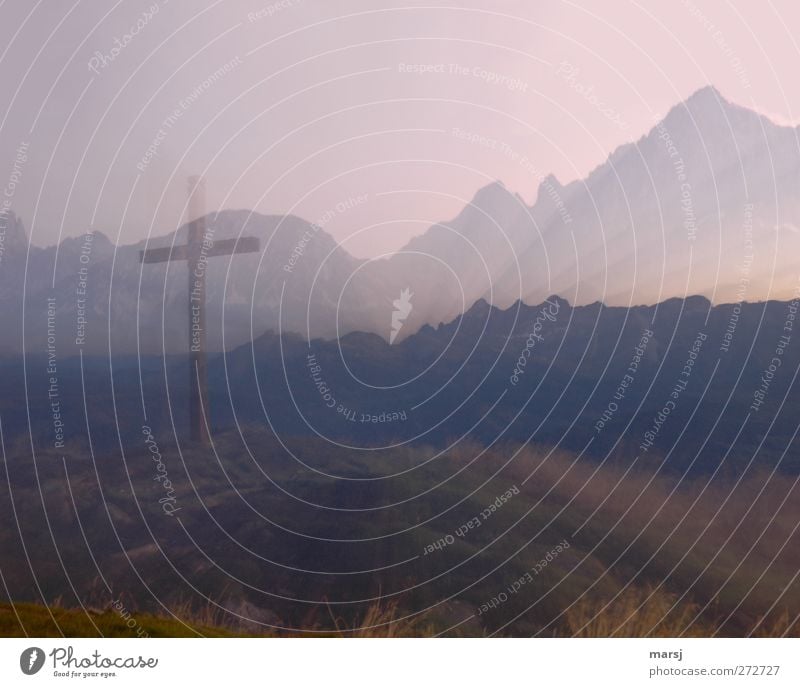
column 199, row 247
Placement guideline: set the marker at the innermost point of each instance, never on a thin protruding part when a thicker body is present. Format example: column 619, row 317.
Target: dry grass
column 639, row 612
column 207, row 615
column 381, row 620
column 782, row 625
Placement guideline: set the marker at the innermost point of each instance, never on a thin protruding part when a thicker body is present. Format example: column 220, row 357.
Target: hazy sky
column 299, row 105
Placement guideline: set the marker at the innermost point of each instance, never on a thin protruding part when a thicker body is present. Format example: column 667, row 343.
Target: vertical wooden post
column 198, row 383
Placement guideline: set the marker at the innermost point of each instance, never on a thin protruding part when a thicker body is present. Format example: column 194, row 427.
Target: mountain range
column 705, row 204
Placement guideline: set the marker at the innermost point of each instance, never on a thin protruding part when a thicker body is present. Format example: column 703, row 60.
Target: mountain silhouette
column 703, row 204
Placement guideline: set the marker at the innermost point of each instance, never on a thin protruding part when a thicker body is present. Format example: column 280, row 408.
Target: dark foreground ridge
column 682, row 382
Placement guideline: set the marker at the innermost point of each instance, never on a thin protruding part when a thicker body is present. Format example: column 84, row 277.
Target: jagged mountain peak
column 493, row 202
column 480, row 308
column 490, row 193
column 712, row 114
column 707, row 95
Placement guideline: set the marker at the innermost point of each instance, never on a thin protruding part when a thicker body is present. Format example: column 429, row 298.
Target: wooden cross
column 199, row 247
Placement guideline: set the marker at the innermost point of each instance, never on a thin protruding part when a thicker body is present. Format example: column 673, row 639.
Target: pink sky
column 320, row 102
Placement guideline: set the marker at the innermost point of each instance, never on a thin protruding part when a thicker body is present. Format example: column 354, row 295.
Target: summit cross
column 199, row 247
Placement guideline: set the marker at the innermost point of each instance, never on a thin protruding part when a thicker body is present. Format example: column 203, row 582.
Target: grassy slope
column 34, row 620
column 648, row 554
